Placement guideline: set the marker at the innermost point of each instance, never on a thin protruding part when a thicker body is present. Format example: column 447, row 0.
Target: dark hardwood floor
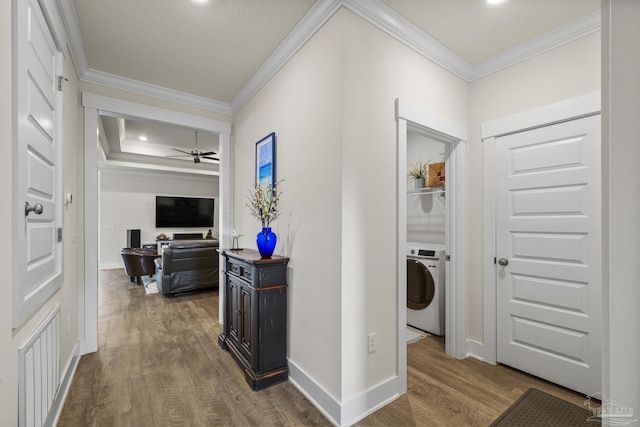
column 159, row 364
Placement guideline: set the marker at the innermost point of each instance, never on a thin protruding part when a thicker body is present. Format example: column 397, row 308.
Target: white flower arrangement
column 263, row 203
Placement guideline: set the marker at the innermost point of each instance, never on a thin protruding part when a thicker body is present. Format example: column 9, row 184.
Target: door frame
column 93, row 105
column 571, row 109
column 410, row 117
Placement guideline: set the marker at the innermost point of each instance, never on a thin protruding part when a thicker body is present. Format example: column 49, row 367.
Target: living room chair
column 138, row 262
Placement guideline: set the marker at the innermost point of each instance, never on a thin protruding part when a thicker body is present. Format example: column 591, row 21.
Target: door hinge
column 61, row 78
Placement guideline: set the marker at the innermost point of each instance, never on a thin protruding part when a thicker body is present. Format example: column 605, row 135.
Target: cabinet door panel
column 233, row 308
column 245, row 320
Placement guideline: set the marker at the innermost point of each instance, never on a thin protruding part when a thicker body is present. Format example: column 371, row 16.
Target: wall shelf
column 426, row 190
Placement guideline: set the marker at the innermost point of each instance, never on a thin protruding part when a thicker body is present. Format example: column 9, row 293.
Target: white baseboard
column 318, row 396
column 475, row 349
column 351, row 411
column 67, row 377
column 110, row 265
column 366, row 403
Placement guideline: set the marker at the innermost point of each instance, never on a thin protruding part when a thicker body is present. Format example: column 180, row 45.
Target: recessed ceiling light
column 200, row 1
column 495, row 1
column 142, row 138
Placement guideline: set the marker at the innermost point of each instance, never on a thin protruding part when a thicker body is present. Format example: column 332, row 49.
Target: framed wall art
column 266, row 161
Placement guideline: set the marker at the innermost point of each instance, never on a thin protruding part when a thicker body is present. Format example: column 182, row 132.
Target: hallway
column 159, row 364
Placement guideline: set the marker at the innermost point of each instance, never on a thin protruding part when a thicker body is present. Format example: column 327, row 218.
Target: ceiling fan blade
column 196, row 154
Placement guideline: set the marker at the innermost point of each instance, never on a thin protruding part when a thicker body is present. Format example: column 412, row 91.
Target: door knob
column 37, row 208
column 503, row 261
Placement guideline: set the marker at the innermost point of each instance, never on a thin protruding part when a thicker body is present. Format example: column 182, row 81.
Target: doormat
column 536, row 408
column 414, row 335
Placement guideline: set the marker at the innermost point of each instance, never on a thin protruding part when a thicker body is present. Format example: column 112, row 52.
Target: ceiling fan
column 197, row 154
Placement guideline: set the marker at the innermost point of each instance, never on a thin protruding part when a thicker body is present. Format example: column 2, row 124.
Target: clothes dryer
column 426, row 287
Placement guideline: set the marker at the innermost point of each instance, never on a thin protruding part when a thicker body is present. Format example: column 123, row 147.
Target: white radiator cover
column 39, row 372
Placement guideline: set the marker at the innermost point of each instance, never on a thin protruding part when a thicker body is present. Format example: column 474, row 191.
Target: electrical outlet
column 373, row 342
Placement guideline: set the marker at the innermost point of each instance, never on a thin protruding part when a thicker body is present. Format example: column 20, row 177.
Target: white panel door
column 37, row 250
column 549, row 253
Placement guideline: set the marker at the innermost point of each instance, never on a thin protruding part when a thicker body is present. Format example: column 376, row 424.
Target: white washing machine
column 426, row 286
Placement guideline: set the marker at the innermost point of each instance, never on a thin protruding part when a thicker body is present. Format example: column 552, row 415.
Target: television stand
column 187, row 236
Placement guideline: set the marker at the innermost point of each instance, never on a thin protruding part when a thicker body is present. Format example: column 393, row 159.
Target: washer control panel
column 423, row 252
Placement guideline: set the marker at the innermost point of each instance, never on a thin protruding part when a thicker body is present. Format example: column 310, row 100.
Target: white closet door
column 549, row 253
column 36, row 245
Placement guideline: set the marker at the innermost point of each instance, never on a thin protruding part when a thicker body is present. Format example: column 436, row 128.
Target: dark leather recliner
column 138, row 262
column 188, row 265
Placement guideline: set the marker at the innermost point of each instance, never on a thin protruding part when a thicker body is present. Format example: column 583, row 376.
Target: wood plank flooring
column 159, row 364
column 443, row 391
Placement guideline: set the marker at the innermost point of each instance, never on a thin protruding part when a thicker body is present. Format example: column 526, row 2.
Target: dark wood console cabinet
column 255, row 315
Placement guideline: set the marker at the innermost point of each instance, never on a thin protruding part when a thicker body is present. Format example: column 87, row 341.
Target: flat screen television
column 184, row 212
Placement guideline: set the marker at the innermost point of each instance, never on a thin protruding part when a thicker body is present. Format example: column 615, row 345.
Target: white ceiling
column 477, row 31
column 206, row 49
column 214, row 50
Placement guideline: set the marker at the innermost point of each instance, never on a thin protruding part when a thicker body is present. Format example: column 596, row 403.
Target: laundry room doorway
column 414, row 126
column 426, row 235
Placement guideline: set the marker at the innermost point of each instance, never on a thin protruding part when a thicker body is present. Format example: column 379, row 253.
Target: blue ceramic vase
column 266, row 241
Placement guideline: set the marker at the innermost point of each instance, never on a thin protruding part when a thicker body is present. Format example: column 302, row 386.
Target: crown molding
column 85, row 74
column 388, row 20
column 375, row 12
column 156, row 164
column 123, row 83
column 572, row 31
column 131, row 167
column 74, row 38
column 122, row 108
column 315, row 18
